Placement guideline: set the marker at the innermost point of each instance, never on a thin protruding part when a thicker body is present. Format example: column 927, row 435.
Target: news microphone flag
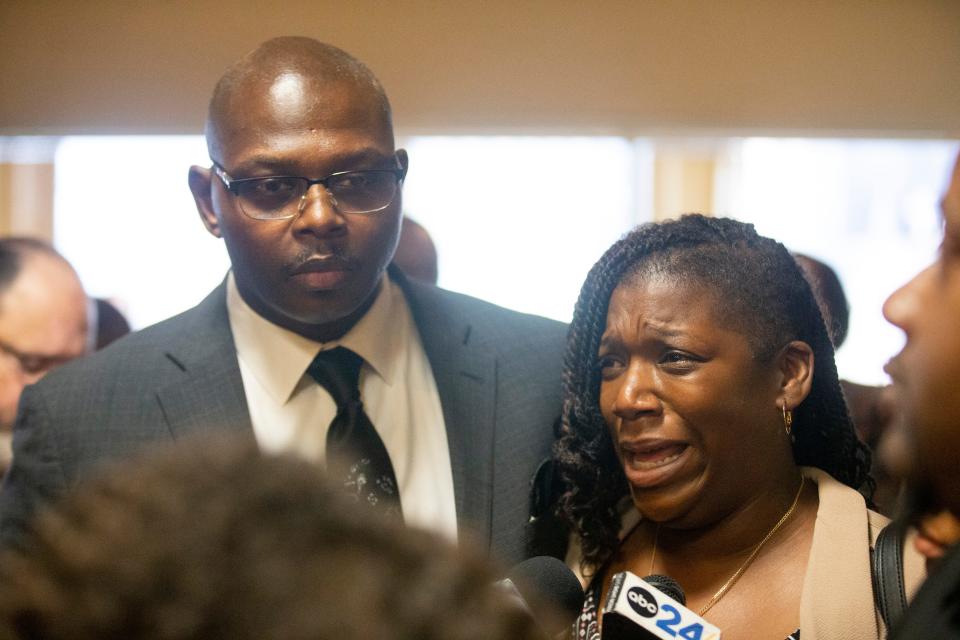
column 637, row 610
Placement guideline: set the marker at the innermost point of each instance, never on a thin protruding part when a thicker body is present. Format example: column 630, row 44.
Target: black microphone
column 651, row 609
column 667, row 585
column 547, row 590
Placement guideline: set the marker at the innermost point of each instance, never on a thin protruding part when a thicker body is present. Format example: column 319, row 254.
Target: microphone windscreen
column 547, row 580
column 667, row 585
column 651, row 609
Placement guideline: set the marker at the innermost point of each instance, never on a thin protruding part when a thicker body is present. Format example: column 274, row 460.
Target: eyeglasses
column 279, row 197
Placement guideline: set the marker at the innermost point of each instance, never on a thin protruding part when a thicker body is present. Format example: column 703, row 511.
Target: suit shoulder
column 132, row 355
column 487, row 315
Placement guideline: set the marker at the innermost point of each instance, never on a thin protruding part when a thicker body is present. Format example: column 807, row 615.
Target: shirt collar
column 278, row 357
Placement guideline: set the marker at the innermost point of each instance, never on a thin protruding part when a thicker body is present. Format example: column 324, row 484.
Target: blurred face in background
column 43, row 323
column 926, row 372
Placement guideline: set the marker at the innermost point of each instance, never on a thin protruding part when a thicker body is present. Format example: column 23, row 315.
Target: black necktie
column 355, row 452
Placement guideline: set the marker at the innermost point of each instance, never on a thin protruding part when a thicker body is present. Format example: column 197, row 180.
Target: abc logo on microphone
column 643, row 602
column 637, row 610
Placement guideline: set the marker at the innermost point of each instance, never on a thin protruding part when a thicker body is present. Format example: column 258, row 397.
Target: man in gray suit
column 305, row 192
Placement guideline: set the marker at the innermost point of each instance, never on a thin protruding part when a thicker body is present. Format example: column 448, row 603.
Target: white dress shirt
column 291, row 412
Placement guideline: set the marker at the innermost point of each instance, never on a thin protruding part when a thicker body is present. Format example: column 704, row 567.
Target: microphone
column 667, row 585
column 651, row 608
column 547, row 590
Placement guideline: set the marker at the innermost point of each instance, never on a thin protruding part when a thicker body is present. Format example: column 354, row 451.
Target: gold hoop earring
column 787, row 418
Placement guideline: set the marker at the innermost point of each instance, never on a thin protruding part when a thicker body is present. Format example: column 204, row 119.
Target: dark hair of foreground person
column 214, row 540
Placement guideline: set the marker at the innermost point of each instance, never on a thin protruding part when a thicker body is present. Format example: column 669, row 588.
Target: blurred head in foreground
column 213, row 539
column 925, row 375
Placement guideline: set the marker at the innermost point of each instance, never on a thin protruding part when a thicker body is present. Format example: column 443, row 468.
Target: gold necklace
column 722, row 591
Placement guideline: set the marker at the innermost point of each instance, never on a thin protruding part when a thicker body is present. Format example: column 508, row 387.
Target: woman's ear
column 796, row 369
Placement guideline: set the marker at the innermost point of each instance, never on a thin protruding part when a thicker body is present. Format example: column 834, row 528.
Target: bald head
column 297, row 109
column 288, row 71
column 43, row 317
column 13, row 253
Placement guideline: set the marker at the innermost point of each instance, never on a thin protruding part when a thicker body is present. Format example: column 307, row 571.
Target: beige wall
column 26, row 200
column 26, row 186
column 852, row 66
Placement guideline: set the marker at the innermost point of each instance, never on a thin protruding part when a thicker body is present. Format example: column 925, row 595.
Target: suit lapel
column 209, row 394
column 466, row 381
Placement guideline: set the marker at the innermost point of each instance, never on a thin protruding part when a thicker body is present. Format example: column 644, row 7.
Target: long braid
column 819, row 442
column 585, row 455
column 712, row 250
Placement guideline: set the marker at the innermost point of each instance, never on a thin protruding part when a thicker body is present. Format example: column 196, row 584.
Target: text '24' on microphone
column 641, row 609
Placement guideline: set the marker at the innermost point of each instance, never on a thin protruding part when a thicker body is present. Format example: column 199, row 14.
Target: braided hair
column 766, row 298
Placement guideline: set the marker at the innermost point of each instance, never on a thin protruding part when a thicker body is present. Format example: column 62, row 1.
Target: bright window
column 868, row 208
column 519, row 221
column 126, row 220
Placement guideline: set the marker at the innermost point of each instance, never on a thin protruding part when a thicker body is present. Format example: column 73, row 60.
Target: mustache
column 322, row 259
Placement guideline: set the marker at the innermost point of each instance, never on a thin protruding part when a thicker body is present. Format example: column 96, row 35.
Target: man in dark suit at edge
column 462, row 393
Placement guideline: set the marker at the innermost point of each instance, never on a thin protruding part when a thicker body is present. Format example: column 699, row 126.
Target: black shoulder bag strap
column 886, row 570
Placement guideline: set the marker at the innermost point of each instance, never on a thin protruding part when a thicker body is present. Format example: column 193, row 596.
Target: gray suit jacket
column 497, row 372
